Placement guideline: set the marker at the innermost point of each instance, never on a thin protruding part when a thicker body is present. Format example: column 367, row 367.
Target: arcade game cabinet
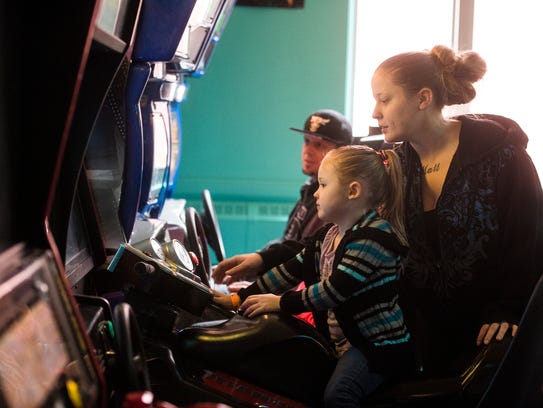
column 45, row 129
column 165, row 295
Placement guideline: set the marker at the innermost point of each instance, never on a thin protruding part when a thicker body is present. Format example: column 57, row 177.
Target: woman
column 473, row 205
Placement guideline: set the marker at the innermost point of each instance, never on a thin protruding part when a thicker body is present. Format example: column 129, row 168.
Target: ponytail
column 392, row 207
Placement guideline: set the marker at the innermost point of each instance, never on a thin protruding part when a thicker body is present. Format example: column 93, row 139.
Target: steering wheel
column 196, row 242
column 131, row 365
column 211, row 226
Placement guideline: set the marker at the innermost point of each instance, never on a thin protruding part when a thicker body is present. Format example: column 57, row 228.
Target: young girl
column 351, row 269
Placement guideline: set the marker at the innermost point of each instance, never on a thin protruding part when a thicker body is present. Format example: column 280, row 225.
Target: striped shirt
column 361, row 290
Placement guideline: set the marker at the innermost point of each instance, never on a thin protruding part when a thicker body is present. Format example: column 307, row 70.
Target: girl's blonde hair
column 380, row 172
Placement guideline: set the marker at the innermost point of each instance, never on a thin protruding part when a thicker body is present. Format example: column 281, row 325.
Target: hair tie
column 384, row 157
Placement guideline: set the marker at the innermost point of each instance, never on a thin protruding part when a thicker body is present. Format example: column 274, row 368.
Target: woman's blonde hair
column 380, row 172
column 448, row 74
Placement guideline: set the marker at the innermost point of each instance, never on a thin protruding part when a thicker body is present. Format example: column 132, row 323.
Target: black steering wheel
column 132, row 372
column 211, row 226
column 195, row 241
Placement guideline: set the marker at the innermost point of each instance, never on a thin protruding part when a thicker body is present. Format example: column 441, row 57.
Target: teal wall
column 271, row 68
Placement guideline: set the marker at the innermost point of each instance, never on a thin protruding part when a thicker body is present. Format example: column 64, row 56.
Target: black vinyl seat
column 259, row 350
column 518, row 381
column 510, row 370
column 461, row 391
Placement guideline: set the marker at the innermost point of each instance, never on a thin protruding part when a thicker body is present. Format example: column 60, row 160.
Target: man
column 323, row 131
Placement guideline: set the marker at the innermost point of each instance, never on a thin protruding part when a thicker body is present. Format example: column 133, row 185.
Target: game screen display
column 205, row 25
column 31, row 348
column 161, row 149
column 43, row 359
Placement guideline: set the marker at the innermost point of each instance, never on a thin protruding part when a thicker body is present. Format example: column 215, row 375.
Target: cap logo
column 316, row 122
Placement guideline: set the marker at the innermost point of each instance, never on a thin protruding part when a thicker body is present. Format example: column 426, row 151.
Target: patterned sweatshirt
column 362, row 291
column 476, row 258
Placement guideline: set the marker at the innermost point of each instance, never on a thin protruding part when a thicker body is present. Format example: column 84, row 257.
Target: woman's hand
column 258, row 304
column 495, row 330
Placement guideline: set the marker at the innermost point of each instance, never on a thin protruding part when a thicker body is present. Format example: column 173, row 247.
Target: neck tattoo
column 427, row 168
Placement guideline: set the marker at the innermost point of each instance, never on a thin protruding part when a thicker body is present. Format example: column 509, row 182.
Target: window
column 504, row 33
column 512, row 86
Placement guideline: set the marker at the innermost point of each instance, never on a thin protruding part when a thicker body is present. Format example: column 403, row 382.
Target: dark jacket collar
column 481, row 135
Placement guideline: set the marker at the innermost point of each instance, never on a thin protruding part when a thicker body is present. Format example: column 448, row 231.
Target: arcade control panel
column 160, row 280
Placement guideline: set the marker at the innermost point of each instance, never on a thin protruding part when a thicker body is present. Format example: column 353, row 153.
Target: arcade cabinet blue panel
column 161, row 123
column 161, row 25
column 114, row 154
column 138, row 75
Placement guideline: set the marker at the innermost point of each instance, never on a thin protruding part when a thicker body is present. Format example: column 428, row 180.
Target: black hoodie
column 474, row 260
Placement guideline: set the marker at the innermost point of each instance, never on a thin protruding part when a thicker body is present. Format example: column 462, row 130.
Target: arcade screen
column 206, row 22
column 222, row 20
column 175, row 143
column 32, row 357
column 43, row 361
column 161, row 149
column 156, row 160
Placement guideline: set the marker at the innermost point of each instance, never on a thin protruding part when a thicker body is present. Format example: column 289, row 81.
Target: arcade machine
column 64, row 185
column 161, row 102
column 114, row 169
column 46, row 339
column 161, row 128
column 163, row 284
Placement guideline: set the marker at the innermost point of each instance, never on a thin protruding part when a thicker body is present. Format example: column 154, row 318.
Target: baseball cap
column 330, row 125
